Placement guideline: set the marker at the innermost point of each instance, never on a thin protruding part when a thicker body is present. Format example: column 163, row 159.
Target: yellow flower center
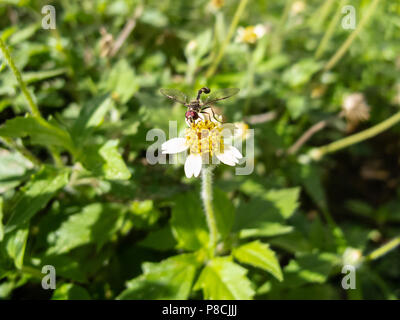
column 204, row 137
column 249, row 35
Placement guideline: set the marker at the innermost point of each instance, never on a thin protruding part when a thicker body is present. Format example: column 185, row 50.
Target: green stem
column 345, row 46
column 32, row 105
column 329, row 32
column 318, row 153
column 239, row 11
column 206, row 195
column 277, row 37
column 32, row 271
column 384, row 249
column 319, row 16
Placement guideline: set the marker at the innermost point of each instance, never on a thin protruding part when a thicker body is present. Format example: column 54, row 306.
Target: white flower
column 204, row 140
column 250, row 34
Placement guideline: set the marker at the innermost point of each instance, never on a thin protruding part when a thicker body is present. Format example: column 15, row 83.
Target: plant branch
column 318, row 153
column 384, row 249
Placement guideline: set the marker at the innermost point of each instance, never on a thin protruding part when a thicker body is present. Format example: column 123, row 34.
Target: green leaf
column 13, row 247
column 14, row 169
column 161, row 240
column 70, row 291
column 224, row 212
column 1, row 219
column 67, row 267
column 170, row 279
column 259, row 255
column 40, row 132
column 96, row 223
column 300, row 73
column 285, row 200
column 91, row 116
column 121, row 81
column 105, row 160
column 259, row 217
column 34, row 76
column 223, row 279
column 313, row 267
column 35, row 195
column 188, row 222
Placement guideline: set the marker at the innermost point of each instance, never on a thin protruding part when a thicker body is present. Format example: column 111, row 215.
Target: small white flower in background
column 242, row 130
column 297, row 7
column 355, row 109
column 217, row 4
column 250, row 34
column 353, row 257
column 204, row 139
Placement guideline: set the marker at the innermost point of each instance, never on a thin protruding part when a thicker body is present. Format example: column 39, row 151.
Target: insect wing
column 221, row 95
column 175, row 95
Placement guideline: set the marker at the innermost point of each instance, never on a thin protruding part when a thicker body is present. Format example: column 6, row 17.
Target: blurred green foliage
column 78, row 193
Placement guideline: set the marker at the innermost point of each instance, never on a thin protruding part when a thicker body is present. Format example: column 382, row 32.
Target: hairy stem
column 206, row 195
column 32, row 105
column 318, row 153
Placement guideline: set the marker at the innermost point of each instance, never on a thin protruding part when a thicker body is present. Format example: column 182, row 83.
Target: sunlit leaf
column 35, row 195
column 169, row 279
column 222, row 279
column 259, row 255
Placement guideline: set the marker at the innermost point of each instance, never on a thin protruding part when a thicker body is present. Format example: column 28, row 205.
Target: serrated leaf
column 188, row 222
column 70, row 291
column 170, row 279
column 222, row 279
column 35, row 195
column 40, row 132
column 259, row 255
column 96, row 223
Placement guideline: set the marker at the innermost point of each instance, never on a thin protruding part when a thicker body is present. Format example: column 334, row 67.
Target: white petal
column 235, row 151
column 226, row 158
column 174, row 145
column 193, row 165
column 230, row 155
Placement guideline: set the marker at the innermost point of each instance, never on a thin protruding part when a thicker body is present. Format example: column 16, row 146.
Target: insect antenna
column 202, row 90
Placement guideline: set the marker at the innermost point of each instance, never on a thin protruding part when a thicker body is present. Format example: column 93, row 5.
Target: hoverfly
column 196, row 106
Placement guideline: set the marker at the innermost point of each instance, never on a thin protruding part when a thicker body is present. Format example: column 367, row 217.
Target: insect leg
column 213, row 113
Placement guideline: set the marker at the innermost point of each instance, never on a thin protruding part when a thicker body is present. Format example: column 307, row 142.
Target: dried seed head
column 355, row 109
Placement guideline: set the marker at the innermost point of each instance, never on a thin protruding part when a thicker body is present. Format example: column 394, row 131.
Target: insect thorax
column 194, row 105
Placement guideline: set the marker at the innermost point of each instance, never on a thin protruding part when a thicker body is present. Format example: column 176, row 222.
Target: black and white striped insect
column 196, row 106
